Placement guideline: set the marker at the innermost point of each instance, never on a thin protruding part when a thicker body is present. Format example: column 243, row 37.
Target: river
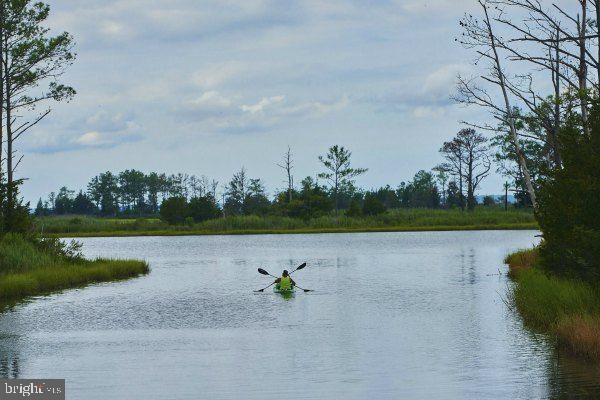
column 392, row 315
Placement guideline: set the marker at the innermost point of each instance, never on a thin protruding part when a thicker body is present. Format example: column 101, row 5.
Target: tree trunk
column 510, row 119
column 470, row 189
column 460, row 186
column 335, row 195
column 582, row 74
column 598, row 34
column 290, row 185
column 9, row 136
column 556, row 80
column 1, row 86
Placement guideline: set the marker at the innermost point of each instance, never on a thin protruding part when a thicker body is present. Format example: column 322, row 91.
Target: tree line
column 180, row 197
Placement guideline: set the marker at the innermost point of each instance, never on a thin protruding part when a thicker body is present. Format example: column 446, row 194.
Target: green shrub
column 174, row 210
column 203, row 208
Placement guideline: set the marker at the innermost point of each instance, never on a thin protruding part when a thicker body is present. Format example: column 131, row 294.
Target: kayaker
column 285, row 282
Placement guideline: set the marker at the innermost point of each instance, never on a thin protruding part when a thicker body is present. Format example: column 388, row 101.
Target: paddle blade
column 301, row 266
column 262, row 271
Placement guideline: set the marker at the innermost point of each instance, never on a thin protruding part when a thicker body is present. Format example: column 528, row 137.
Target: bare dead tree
column 553, row 38
column 480, row 37
column 214, row 184
column 467, row 159
column 288, row 165
column 477, row 161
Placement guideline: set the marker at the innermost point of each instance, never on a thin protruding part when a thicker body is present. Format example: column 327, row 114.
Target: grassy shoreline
column 192, row 232
column 27, row 270
column 567, row 309
column 392, row 221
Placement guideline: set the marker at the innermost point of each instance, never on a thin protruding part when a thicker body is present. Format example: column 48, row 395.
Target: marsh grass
column 567, row 308
column 27, row 270
column 394, row 220
column 521, row 260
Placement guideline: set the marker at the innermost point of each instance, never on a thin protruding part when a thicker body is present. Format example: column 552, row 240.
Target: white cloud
column 215, row 75
column 214, row 112
column 210, row 100
column 113, row 28
column 442, row 81
column 263, row 104
column 90, row 139
column 435, row 6
column 428, row 112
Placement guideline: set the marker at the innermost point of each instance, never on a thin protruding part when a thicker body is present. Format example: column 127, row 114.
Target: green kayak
column 277, row 289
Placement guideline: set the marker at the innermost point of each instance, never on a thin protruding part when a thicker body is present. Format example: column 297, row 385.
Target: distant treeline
column 181, row 196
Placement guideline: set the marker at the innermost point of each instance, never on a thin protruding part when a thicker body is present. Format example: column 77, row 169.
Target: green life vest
column 285, row 283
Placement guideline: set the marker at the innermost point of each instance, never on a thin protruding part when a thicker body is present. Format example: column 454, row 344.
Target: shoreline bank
column 566, row 309
column 32, row 267
column 21, row 286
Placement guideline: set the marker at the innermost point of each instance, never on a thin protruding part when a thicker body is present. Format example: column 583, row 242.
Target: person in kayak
column 285, row 282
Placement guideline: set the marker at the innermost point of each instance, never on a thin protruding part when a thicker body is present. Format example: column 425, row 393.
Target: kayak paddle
column 305, row 290
column 299, row 268
column 262, row 271
column 262, row 290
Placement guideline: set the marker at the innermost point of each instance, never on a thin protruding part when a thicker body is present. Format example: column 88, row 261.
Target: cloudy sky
column 206, row 87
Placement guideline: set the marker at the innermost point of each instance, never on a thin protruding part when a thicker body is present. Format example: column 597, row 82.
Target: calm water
column 394, row 315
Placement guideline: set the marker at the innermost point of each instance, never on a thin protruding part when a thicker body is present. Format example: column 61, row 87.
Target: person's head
column 285, row 273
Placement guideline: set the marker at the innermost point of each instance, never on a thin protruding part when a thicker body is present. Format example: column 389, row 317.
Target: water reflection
column 572, row 378
column 9, row 367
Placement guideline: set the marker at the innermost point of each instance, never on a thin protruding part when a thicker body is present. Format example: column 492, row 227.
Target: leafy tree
column 237, row 191
column 203, row 208
column 442, row 178
column 338, row 171
column 489, row 201
column 372, row 205
column 311, row 201
column 568, row 209
column 315, row 199
column 83, row 205
column 103, row 190
column 422, row 192
column 41, row 210
column 354, row 209
column 387, row 196
column 454, row 198
column 174, row 210
column 64, row 201
column 32, row 63
column 256, row 201
column 132, row 189
column 154, row 184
